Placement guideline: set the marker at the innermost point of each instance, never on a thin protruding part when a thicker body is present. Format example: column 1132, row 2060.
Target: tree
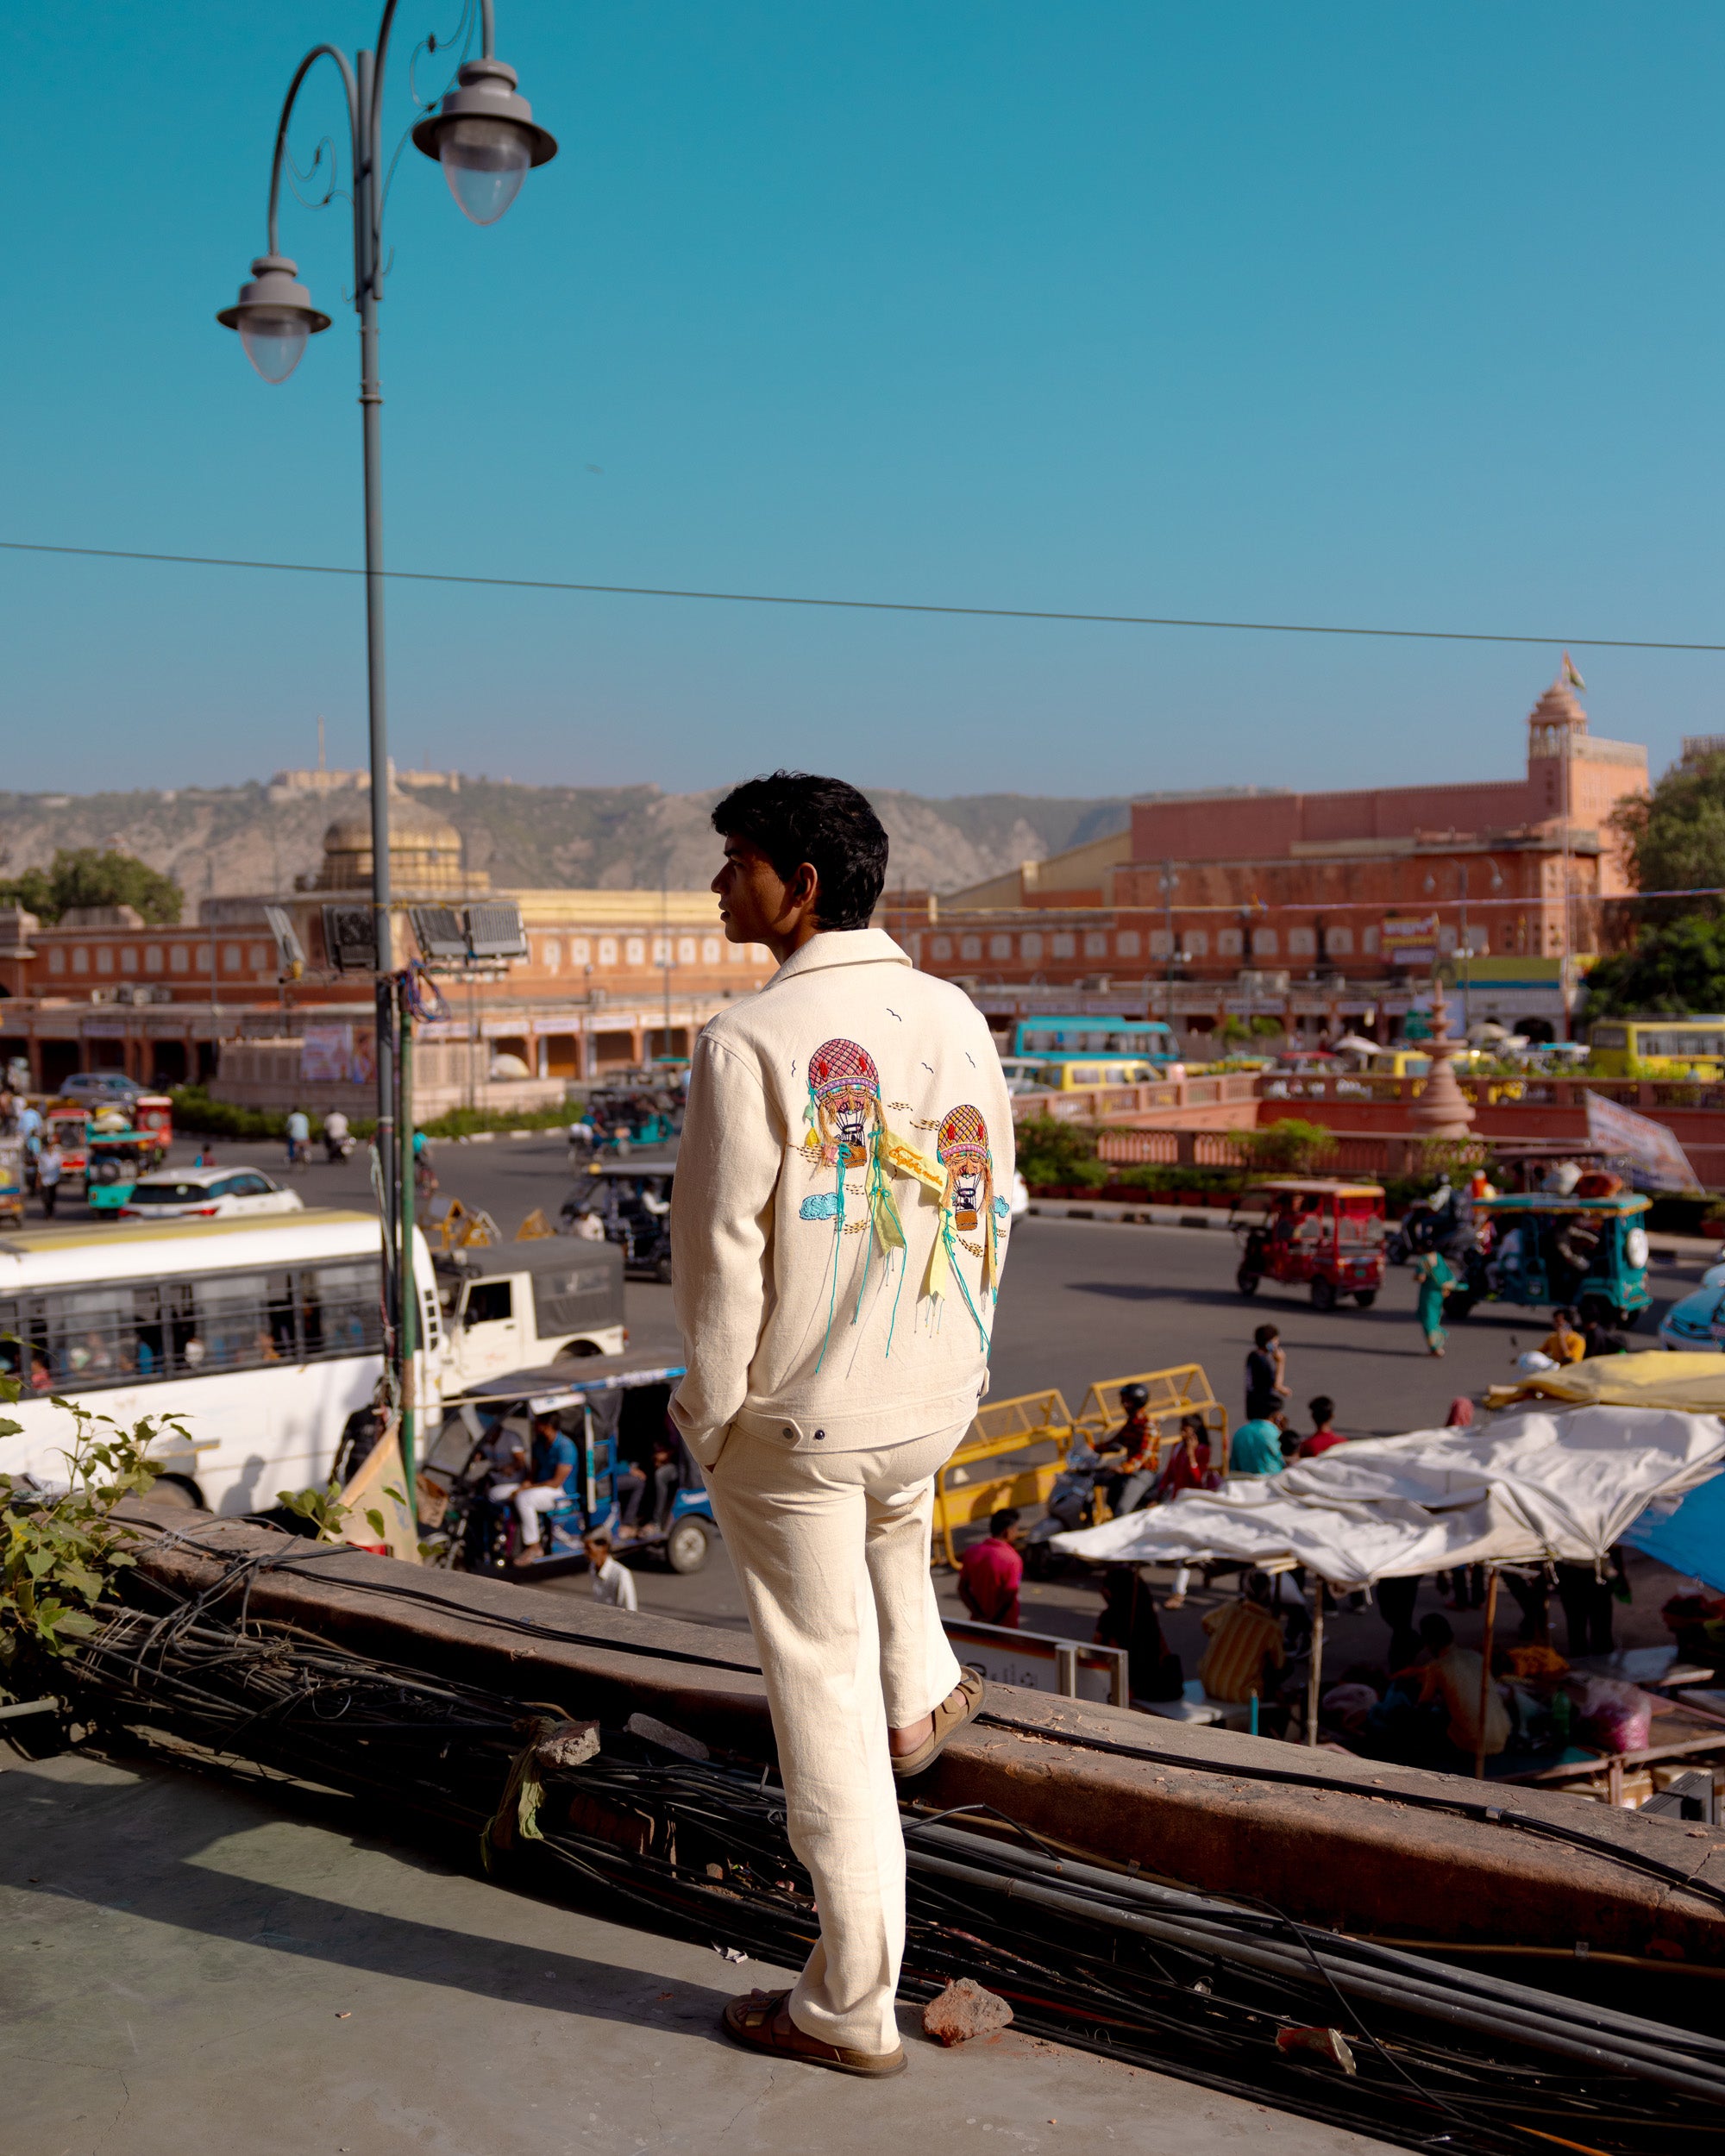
column 1675, row 836
column 86, row 877
column 1677, row 966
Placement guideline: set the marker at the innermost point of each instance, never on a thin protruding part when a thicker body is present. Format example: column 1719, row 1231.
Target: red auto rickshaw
column 152, row 1117
column 1304, row 1229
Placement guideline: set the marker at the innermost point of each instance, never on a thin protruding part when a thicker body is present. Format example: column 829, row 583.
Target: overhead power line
column 870, row 606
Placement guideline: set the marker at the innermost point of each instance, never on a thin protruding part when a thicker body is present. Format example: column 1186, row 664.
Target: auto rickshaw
column 1303, row 1229
column 12, row 1181
column 634, row 1202
column 66, row 1123
column 115, row 1162
column 1585, row 1252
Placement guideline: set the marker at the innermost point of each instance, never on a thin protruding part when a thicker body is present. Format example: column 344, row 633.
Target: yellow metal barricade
column 1011, row 1454
column 1174, row 1394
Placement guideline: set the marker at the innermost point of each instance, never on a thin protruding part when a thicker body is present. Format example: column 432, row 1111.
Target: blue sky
column 1336, row 313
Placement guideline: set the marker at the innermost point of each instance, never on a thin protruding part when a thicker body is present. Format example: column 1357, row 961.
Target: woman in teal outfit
column 1436, row 1278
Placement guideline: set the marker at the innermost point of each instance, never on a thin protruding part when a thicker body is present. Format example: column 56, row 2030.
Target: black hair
column 1265, row 1334
column 795, row 817
column 1437, row 1632
column 1000, row 1521
column 1321, row 1409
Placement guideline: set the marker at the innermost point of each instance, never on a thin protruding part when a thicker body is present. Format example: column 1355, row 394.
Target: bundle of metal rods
column 1238, row 1996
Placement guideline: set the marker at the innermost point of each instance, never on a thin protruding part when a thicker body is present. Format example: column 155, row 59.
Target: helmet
column 1133, row 1396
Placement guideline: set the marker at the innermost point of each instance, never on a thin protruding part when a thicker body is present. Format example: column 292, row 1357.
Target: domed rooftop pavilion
column 424, row 854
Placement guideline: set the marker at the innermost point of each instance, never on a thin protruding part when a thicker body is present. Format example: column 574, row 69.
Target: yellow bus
column 1658, row 1048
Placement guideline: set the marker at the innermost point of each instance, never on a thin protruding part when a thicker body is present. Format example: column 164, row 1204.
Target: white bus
column 262, row 1335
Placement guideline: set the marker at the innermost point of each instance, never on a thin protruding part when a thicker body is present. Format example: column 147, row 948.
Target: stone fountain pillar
column 1442, row 1110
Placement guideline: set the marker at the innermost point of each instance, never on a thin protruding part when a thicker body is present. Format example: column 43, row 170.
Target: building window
column 128, row 960
column 1263, row 943
column 1446, row 941
column 661, row 950
column 1095, row 943
column 1126, row 944
column 711, row 948
column 1337, row 943
column 57, row 959
column 581, row 951
column 104, row 960
column 258, row 958
column 941, row 947
column 1302, row 943
column 1197, row 942
column 1230, row 943
column 1000, row 946
column 969, row 947
column 1030, row 946
column 1478, row 940
column 231, row 958
column 1368, row 942
column 1161, row 943
column 1065, row 944
column 685, row 950
column 551, row 954
column 152, row 958
column 635, row 951
column 607, row 950
column 179, row 958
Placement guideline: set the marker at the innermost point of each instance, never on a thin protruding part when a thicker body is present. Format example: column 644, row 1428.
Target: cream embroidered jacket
column 841, row 1208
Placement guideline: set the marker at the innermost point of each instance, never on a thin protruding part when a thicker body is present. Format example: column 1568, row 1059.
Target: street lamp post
column 484, row 135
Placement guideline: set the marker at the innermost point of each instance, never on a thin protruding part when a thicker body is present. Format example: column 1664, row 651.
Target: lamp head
column 485, row 137
column 274, row 315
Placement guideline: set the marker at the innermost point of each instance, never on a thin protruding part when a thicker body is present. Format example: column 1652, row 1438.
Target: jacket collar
column 842, row 947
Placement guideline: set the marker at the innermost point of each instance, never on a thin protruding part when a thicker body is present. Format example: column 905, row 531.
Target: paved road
column 1083, row 1300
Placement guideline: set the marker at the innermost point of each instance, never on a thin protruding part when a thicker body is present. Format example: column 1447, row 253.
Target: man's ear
column 804, row 888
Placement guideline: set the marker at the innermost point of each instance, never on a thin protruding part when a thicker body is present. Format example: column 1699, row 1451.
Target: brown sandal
column 763, row 2022
column 949, row 1720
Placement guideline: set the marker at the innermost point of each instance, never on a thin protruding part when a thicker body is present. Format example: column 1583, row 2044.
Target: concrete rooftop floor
column 192, row 1966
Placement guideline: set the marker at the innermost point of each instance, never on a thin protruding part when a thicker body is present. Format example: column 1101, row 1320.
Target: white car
column 207, row 1194
column 1697, row 1325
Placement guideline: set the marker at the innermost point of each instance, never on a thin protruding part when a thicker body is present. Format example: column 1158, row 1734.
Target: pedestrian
column 1586, row 1599
column 50, row 1167
column 1563, row 1343
column 1256, row 1447
column 612, row 1583
column 991, row 1571
column 298, row 1137
column 1436, row 1277
column 835, row 1286
column 1266, row 1374
column 1322, row 1410
column 1189, row 1467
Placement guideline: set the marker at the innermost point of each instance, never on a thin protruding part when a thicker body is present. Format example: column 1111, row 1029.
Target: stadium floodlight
column 350, row 938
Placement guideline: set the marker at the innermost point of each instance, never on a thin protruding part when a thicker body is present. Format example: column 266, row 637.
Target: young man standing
column 1266, row 1376
column 837, row 1231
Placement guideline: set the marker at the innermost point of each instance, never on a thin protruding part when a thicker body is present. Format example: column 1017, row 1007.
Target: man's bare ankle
column 900, row 1741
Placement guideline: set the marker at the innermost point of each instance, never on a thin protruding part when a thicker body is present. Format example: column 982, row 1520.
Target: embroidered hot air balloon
column 967, row 1197
column 848, row 1129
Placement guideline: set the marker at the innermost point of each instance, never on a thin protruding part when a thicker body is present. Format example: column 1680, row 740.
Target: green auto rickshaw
column 1589, row 1255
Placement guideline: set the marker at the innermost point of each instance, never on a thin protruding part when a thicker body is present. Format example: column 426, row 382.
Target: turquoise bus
column 1053, row 1039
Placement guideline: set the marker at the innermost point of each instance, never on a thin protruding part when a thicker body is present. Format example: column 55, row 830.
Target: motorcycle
column 337, row 1148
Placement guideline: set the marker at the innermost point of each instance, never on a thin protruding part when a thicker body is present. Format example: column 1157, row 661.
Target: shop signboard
column 1410, row 940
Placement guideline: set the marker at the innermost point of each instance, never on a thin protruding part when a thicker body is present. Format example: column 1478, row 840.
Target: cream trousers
column 832, row 1550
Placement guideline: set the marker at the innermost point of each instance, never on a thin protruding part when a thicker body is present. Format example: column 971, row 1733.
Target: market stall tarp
column 1521, row 1489
column 1689, row 1537
column 1693, row 1384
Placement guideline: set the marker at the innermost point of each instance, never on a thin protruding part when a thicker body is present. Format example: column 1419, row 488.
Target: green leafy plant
column 322, row 1509
column 1288, row 1147
column 62, row 1548
column 1056, row 1155
column 84, row 875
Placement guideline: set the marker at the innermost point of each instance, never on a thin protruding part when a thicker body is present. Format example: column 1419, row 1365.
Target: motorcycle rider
column 337, row 1139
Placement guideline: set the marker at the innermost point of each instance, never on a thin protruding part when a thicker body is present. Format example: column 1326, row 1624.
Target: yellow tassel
column 939, row 1266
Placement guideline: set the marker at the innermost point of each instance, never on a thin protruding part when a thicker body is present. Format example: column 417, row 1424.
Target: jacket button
column 820, row 1434
column 787, row 1433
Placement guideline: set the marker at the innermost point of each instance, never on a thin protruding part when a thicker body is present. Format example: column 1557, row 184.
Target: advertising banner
column 1647, row 1150
column 337, row 1055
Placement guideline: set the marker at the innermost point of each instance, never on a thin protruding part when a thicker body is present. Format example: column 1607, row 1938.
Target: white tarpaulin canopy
column 1520, row 1488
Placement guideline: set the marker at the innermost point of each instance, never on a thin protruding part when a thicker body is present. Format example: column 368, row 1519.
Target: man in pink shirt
column 991, row 1571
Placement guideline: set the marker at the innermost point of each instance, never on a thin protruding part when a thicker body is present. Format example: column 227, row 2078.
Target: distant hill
column 225, row 840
